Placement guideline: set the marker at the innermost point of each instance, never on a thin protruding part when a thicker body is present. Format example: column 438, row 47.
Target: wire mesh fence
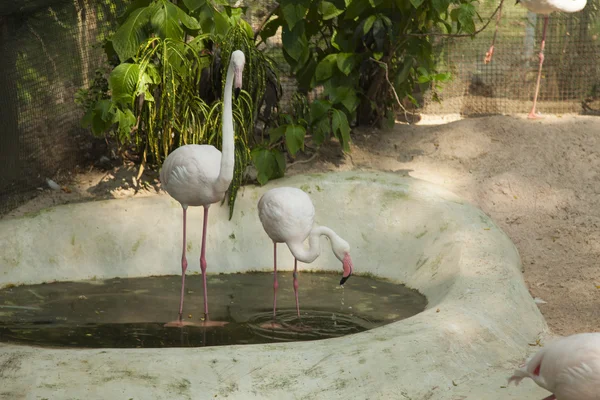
column 52, row 48
column 506, row 85
column 49, row 50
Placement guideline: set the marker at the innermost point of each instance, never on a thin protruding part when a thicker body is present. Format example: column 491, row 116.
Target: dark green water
column 130, row 313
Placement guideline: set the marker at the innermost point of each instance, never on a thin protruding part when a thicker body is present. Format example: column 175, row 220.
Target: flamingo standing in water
column 287, row 214
column 568, row 367
column 545, row 8
column 199, row 175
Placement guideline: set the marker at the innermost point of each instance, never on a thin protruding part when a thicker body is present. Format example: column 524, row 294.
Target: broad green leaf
column 165, row 21
column 293, row 13
column 193, row 5
column 356, row 8
column 416, row 3
column 318, row 110
column 294, row 41
column 340, row 126
column 126, row 120
column 101, row 117
column 466, row 12
column 329, row 10
column 305, row 76
column 131, row 34
column 443, row 77
column 222, row 24
column 440, row 5
column 346, row 96
column 375, row 3
column 325, row 67
column 403, row 74
column 270, row 29
column 294, row 138
column 188, row 21
column 276, row 133
column 123, row 81
column 368, row 24
column 134, row 5
column 346, row 62
column 321, row 131
column 270, row 164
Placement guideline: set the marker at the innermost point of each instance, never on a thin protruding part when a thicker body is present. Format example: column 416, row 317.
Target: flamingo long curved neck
column 228, row 147
column 314, row 249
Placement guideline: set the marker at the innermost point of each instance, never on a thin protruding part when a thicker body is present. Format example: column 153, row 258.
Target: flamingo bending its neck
column 199, row 175
column 569, row 368
column 287, row 215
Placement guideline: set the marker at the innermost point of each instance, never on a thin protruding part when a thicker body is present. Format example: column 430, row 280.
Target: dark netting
column 51, row 48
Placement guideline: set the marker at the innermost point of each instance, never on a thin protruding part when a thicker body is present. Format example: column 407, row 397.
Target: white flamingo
column 545, row 8
column 569, row 368
column 287, row 214
column 199, row 175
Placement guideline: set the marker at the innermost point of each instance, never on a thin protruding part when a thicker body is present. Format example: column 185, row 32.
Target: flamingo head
column 238, row 60
column 347, row 265
column 341, row 249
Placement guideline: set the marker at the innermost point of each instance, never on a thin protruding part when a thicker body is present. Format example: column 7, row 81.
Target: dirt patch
column 539, row 180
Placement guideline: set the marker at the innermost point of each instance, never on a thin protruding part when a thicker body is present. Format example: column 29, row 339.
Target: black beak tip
column 344, row 279
column 236, row 92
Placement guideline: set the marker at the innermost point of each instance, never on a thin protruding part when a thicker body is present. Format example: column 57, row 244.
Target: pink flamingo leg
column 533, row 114
column 275, row 283
column 207, row 321
column 296, row 286
column 490, row 52
column 273, row 324
column 184, row 265
column 203, row 261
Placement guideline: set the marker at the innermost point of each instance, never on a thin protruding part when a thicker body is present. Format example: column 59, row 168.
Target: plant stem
column 387, row 78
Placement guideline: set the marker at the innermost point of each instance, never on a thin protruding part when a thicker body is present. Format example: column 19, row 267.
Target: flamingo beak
column 237, row 82
column 347, row 265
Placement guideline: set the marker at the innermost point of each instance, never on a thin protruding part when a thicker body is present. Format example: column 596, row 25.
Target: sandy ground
column 539, row 180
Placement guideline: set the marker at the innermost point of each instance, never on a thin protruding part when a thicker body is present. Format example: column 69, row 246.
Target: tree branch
column 387, row 78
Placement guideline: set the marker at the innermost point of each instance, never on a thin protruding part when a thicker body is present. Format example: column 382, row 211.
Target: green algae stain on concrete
column 33, row 214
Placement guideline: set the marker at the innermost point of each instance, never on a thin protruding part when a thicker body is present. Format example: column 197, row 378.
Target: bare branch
column 387, row 78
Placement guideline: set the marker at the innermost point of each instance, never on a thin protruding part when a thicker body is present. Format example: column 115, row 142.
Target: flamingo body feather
column 568, row 367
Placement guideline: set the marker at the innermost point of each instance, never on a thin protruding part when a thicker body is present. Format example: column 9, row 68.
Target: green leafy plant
column 167, row 82
column 340, row 45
